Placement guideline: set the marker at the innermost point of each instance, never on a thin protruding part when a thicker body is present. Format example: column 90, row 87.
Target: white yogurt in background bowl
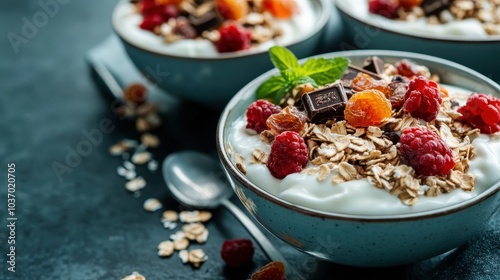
column 193, row 69
column 464, row 42
column 365, row 226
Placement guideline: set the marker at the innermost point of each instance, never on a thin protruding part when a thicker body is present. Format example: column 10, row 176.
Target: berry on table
column 425, row 151
column 282, row 9
column 237, row 252
column 482, row 111
column 367, row 108
column 135, row 93
column 271, row 271
column 423, row 99
column 385, row 8
column 258, row 112
column 233, row 37
column 288, row 154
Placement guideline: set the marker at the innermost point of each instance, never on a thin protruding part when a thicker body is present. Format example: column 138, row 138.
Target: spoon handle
column 264, row 243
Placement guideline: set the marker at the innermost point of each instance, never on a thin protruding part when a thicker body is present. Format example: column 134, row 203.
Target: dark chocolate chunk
column 374, row 64
column 434, row 7
column 207, row 20
column 326, row 103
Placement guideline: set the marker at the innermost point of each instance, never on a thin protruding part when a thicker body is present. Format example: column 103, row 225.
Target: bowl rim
column 231, row 169
column 430, row 37
column 325, row 8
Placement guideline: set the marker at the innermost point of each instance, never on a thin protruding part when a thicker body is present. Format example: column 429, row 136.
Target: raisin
column 289, row 119
column 367, row 108
column 363, row 81
column 398, row 91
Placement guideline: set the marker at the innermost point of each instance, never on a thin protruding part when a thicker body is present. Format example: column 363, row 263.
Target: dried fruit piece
column 258, row 112
column 423, row 99
column 410, row 3
column 233, row 37
column 363, row 81
column 385, row 8
column 237, row 252
column 407, row 68
column 282, row 9
column 425, row 151
column 482, row 111
column 398, row 87
column 271, row 271
column 288, row 119
column 135, row 93
column 288, row 154
column 232, row 9
column 367, row 108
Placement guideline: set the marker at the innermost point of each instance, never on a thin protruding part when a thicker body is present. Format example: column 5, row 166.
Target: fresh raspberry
column 151, row 21
column 482, row 111
column 258, row 112
column 385, row 8
column 149, row 7
column 288, row 154
column 170, row 11
column 233, row 37
column 271, row 271
column 237, row 252
column 423, row 99
column 425, row 151
column 407, row 68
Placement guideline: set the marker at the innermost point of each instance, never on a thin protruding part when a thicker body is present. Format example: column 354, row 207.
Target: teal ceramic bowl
column 362, row 240
column 366, row 31
column 207, row 79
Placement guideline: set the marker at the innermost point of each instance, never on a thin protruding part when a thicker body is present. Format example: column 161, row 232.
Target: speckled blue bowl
column 480, row 54
column 212, row 81
column 371, row 241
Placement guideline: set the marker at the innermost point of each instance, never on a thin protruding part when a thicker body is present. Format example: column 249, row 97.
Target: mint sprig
column 316, row 71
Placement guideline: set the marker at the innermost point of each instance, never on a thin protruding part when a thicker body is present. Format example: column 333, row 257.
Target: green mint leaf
column 283, row 59
column 270, row 87
column 306, row 80
column 285, row 89
column 325, row 71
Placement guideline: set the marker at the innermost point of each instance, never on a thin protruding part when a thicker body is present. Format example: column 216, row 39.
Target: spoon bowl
column 196, row 180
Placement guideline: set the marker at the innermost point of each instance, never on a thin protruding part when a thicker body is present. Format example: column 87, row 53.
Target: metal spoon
column 197, row 180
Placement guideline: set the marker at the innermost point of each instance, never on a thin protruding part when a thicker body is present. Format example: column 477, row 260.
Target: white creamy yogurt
column 359, row 197
column 465, row 28
column 127, row 20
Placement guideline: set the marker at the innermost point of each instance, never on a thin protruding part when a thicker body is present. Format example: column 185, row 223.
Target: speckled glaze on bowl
column 212, row 81
column 371, row 241
column 478, row 54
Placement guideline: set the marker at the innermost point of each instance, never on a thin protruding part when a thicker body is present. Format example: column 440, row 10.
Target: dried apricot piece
column 364, row 81
column 282, row 9
column 410, row 3
column 232, row 9
column 271, row 271
column 367, row 108
column 289, row 119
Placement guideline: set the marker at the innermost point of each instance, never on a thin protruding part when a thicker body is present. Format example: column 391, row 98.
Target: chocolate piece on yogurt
column 374, row 64
column 351, row 72
column 434, row 7
column 326, row 103
column 205, row 18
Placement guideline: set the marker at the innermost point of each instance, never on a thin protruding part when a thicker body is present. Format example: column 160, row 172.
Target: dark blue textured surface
column 87, row 226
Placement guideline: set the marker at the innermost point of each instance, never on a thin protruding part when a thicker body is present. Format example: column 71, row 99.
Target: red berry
column 385, row 8
column 149, row 7
column 233, row 37
column 482, row 111
column 170, row 11
column 407, row 68
column 151, row 21
column 423, row 99
column 258, row 112
column 288, row 154
column 425, row 151
column 237, row 252
column 271, row 271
